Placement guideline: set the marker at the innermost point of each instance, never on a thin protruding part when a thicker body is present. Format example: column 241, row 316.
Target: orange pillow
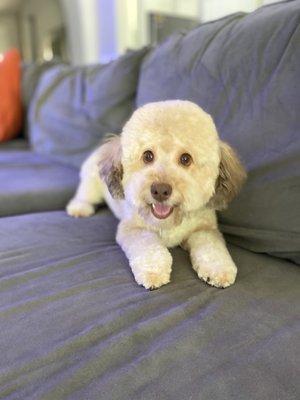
column 10, row 95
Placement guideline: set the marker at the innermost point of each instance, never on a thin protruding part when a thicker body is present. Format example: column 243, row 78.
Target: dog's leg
column 211, row 259
column 89, row 192
column 149, row 259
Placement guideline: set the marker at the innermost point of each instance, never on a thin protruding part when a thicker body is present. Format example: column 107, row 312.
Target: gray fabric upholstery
column 73, row 322
column 74, row 107
column 31, row 75
column 244, row 70
column 16, row 144
column 75, row 325
column 31, row 183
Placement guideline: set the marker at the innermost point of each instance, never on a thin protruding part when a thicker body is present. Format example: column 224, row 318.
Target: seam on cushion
column 244, row 232
column 42, row 97
column 280, row 3
column 199, row 58
column 285, row 49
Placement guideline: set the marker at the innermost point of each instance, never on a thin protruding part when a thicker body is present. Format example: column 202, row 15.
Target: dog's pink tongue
column 161, row 210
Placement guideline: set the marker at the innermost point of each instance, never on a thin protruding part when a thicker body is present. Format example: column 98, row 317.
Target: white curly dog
column 164, row 177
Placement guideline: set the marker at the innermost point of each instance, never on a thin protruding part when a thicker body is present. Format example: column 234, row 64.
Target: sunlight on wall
column 90, row 29
column 127, row 24
column 81, row 18
column 214, row 9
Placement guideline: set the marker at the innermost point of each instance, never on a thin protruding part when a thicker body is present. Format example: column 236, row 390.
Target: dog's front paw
column 216, row 274
column 152, row 280
column 77, row 208
column 152, row 270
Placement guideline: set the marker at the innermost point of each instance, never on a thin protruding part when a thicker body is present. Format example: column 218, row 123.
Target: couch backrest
column 244, row 70
column 73, row 108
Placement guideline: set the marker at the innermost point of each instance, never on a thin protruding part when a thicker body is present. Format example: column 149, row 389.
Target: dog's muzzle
column 161, row 192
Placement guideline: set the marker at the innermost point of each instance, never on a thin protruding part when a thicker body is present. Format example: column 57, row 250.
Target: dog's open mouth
column 161, row 211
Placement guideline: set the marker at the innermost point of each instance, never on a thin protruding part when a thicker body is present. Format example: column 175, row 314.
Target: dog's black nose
column 161, row 191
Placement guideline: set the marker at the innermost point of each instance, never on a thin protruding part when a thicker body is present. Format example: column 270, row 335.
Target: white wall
column 213, row 9
column 264, row 2
column 99, row 30
column 88, row 21
column 127, row 24
column 133, row 32
column 83, row 21
column 74, row 30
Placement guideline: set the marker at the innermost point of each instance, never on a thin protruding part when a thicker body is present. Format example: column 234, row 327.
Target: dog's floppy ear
column 110, row 167
column 231, row 177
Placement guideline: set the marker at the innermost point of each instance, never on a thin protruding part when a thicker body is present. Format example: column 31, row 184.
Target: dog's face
column 170, row 159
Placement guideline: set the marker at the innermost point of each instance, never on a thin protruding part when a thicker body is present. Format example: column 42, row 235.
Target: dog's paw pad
column 221, row 279
column 152, row 280
column 77, row 208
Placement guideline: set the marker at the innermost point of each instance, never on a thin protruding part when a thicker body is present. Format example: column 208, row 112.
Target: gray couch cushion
column 16, row 144
column 31, row 183
column 75, row 325
column 74, row 107
column 244, row 70
column 31, row 75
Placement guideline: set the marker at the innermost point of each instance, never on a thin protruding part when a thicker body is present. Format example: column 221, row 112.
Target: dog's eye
column 185, row 159
column 148, row 157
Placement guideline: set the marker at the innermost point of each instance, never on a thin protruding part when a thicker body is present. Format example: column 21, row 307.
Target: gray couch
column 73, row 322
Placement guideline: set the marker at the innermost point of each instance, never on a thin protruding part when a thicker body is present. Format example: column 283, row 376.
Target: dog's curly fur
column 168, row 129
